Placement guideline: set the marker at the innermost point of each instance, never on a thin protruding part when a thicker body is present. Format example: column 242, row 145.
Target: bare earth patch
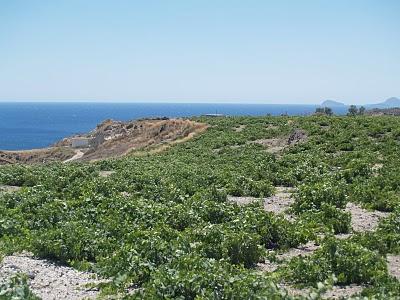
column 272, row 145
column 275, row 145
column 240, row 128
column 36, row 156
column 343, row 236
column 362, row 219
column 376, row 168
column 9, row 188
column 272, row 127
column 339, row 292
column 336, row 292
column 267, row 266
column 106, row 173
column 302, row 250
column 242, row 200
column 78, row 154
column 48, row 280
column 279, row 202
column 394, row 265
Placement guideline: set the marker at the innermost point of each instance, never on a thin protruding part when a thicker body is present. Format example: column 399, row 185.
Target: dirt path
column 78, row 155
column 48, row 280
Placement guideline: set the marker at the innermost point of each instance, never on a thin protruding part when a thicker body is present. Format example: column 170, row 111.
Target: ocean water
column 35, row 125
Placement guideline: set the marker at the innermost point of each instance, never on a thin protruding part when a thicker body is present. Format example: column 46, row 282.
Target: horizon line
column 174, row 102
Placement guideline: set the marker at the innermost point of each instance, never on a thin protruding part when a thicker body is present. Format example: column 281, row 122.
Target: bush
column 348, row 261
column 314, row 195
column 191, row 277
column 16, row 288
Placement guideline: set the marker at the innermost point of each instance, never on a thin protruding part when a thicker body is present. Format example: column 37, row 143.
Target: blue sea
column 34, row 125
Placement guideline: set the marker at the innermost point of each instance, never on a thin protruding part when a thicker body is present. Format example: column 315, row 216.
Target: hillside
column 110, row 139
column 249, row 208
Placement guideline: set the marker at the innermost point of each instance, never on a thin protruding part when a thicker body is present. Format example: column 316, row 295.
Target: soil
column 276, row 145
column 362, row 219
column 340, row 292
column 336, row 292
column 78, row 155
column 121, row 138
column 394, row 265
column 267, row 266
column 35, row 156
column 48, row 280
column 302, row 250
column 281, row 201
column 240, row 128
column 9, row 188
column 112, row 139
column 278, row 203
column 106, row 173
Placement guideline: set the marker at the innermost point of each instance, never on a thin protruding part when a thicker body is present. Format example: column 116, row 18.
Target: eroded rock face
column 44, row 155
column 115, row 138
column 110, row 139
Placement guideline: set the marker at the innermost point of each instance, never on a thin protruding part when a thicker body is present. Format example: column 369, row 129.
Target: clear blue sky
column 200, row 51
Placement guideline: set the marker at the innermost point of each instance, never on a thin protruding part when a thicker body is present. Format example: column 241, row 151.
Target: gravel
column 339, row 292
column 362, row 219
column 277, row 203
column 106, row 173
column 394, row 265
column 267, row 266
column 48, row 280
column 302, row 250
column 9, row 188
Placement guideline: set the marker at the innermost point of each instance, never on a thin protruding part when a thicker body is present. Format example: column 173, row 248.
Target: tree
column 324, row 111
column 361, row 111
column 328, row 111
column 353, row 110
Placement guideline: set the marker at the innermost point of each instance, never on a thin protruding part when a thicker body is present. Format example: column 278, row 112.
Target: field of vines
column 166, row 225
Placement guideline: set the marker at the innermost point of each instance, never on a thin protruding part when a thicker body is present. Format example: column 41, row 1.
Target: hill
column 388, row 103
column 331, row 103
column 250, row 207
column 110, row 139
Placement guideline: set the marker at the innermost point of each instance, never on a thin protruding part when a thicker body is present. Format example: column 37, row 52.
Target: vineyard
column 252, row 208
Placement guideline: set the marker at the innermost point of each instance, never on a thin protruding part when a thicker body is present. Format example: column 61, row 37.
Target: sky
column 254, row 51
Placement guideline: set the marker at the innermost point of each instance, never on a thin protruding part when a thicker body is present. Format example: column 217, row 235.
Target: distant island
column 388, row 103
column 391, row 102
column 332, row 103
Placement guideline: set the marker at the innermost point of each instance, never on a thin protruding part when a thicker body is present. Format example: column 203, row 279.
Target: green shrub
column 16, row 288
column 314, row 195
column 349, row 262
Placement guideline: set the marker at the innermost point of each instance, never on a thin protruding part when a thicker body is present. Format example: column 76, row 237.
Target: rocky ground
column 50, row 281
column 110, row 139
column 361, row 220
column 34, row 156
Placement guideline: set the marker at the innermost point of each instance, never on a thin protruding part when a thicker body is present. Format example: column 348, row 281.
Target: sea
column 31, row 125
